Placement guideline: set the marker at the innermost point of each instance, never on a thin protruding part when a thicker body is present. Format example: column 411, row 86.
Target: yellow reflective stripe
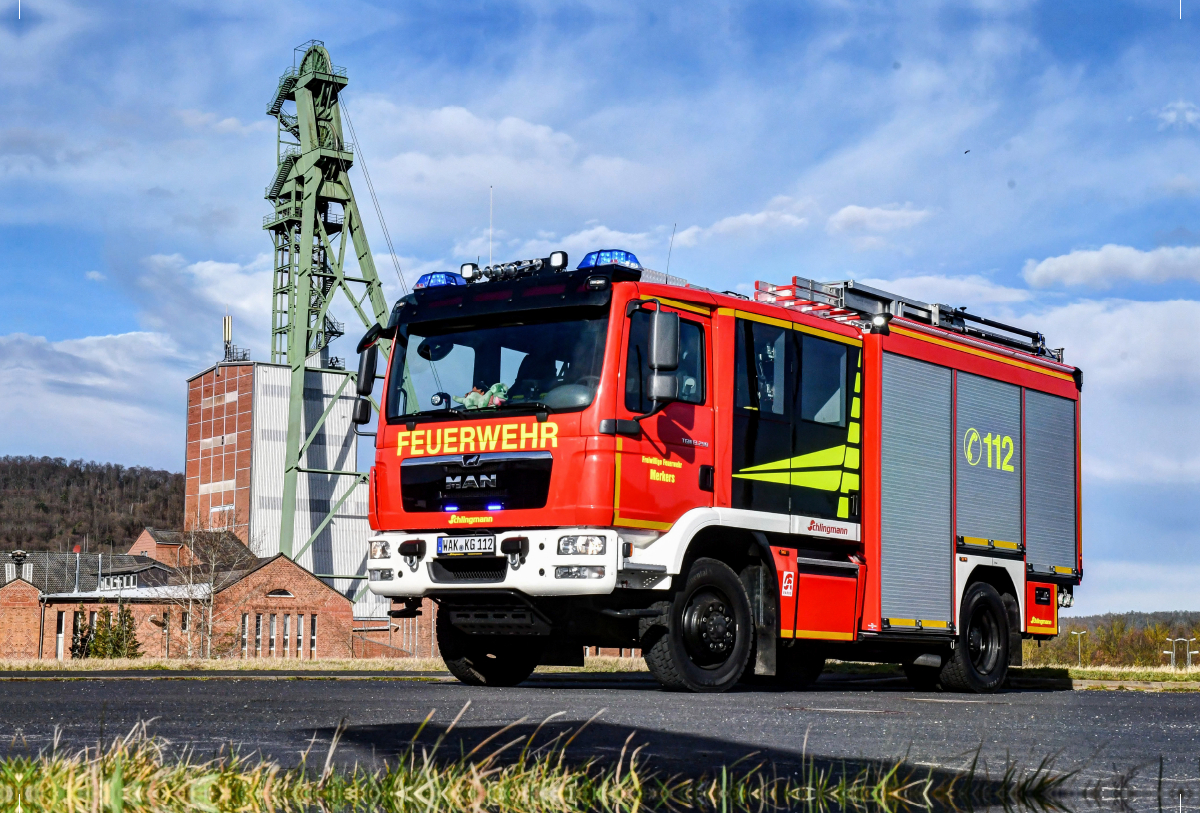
column 770, row 320
column 725, row 312
column 832, row 456
column 786, row 634
column 853, row 436
column 824, row 636
column 901, row 622
column 686, row 306
column 913, row 622
column 974, row 540
column 857, row 383
column 849, row 482
column 936, row 624
column 856, row 408
column 843, row 511
column 1006, row 545
column 852, row 458
column 820, row 480
column 1066, row 570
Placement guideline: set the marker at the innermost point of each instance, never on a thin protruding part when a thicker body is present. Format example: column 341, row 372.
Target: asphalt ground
column 1106, row 735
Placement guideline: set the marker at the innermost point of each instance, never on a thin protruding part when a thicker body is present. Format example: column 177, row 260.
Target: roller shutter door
column 988, row 474
column 1050, row 478
column 917, row 553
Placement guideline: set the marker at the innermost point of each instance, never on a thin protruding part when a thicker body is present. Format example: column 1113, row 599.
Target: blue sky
column 1037, row 161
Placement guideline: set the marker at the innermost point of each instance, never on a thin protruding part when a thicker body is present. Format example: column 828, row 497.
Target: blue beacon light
column 439, row 278
column 610, row 256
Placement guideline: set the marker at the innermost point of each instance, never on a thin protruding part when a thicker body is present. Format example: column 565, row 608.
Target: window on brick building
column 245, row 631
column 184, row 618
column 312, row 636
column 300, row 636
column 258, row 635
column 271, row 639
column 287, row 633
column 280, row 594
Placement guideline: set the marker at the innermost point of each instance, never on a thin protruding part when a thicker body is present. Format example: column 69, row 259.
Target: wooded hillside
column 48, row 503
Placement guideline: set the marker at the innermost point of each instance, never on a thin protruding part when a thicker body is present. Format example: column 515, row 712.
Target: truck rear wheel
column 705, row 644
column 979, row 662
column 486, row 660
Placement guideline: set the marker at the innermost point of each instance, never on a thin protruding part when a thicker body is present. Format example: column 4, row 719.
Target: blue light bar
column 449, row 507
column 495, row 506
column 610, row 256
column 438, row 278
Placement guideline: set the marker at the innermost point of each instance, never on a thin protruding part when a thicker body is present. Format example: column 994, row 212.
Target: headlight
column 579, row 572
column 580, row 546
column 379, row 549
column 380, row 575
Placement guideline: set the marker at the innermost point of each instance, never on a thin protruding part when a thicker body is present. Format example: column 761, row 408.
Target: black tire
column 798, row 666
column 923, row 678
column 979, row 662
column 486, row 660
column 705, row 643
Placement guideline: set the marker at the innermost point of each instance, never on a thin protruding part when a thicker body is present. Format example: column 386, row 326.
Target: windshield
column 511, row 360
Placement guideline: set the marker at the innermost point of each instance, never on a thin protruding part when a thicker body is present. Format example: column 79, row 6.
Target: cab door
column 667, row 469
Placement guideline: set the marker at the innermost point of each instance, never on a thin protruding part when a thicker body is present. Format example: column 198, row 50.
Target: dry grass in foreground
column 502, row 773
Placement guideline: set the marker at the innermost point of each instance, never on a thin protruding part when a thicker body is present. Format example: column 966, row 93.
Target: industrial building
column 236, row 437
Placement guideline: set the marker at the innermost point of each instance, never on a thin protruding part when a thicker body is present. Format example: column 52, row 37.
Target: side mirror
column 362, row 411
column 664, row 341
column 366, row 370
column 663, row 385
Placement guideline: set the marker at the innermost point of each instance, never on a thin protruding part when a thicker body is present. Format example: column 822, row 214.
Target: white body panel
column 666, row 552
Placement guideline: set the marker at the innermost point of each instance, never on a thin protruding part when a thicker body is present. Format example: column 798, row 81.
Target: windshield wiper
column 537, row 405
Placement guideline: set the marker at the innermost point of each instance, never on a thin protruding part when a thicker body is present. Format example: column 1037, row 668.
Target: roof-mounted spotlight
column 879, row 324
column 470, row 272
column 558, row 260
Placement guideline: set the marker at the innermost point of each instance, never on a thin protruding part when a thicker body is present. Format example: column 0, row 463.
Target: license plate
column 466, row 545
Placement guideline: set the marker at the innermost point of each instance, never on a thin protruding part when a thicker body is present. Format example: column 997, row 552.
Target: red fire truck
column 740, row 487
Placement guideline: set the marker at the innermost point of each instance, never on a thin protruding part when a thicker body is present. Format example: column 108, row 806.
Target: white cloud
column 1101, row 267
column 95, row 276
column 199, row 120
column 1180, row 115
column 856, row 219
column 966, row 291
column 1140, row 386
column 110, row 398
column 781, row 213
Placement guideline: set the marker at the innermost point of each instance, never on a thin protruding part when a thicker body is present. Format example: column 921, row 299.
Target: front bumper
column 533, row 574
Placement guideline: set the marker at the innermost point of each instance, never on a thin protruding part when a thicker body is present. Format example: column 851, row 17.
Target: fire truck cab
column 740, row 487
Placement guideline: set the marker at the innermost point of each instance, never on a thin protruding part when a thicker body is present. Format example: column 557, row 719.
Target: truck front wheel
column 486, row 660
column 979, row 662
column 704, row 644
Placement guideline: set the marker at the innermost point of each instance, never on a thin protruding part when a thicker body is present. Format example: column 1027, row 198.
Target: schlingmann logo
column 972, row 446
column 821, row 527
column 455, row 519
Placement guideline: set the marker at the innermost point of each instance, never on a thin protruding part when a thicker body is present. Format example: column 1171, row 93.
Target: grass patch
column 503, row 772
column 1154, row 673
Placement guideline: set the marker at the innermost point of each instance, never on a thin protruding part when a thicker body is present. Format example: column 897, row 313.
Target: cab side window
column 637, row 369
column 823, row 381
column 762, row 370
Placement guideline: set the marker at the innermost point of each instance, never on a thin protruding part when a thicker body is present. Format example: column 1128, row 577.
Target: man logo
column 470, row 461
column 458, row 482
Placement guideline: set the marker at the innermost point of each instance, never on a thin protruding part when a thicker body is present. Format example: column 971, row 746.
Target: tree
column 125, row 641
column 81, row 635
column 100, row 645
column 215, row 560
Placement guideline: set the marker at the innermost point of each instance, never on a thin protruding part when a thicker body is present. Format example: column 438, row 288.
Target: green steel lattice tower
column 314, row 221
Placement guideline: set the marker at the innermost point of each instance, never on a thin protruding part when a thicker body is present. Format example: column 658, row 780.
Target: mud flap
column 1015, row 650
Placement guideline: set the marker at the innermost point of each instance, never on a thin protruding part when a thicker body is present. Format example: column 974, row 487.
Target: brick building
column 264, row 607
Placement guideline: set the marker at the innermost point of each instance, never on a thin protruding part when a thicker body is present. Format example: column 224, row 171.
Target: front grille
column 468, row 569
